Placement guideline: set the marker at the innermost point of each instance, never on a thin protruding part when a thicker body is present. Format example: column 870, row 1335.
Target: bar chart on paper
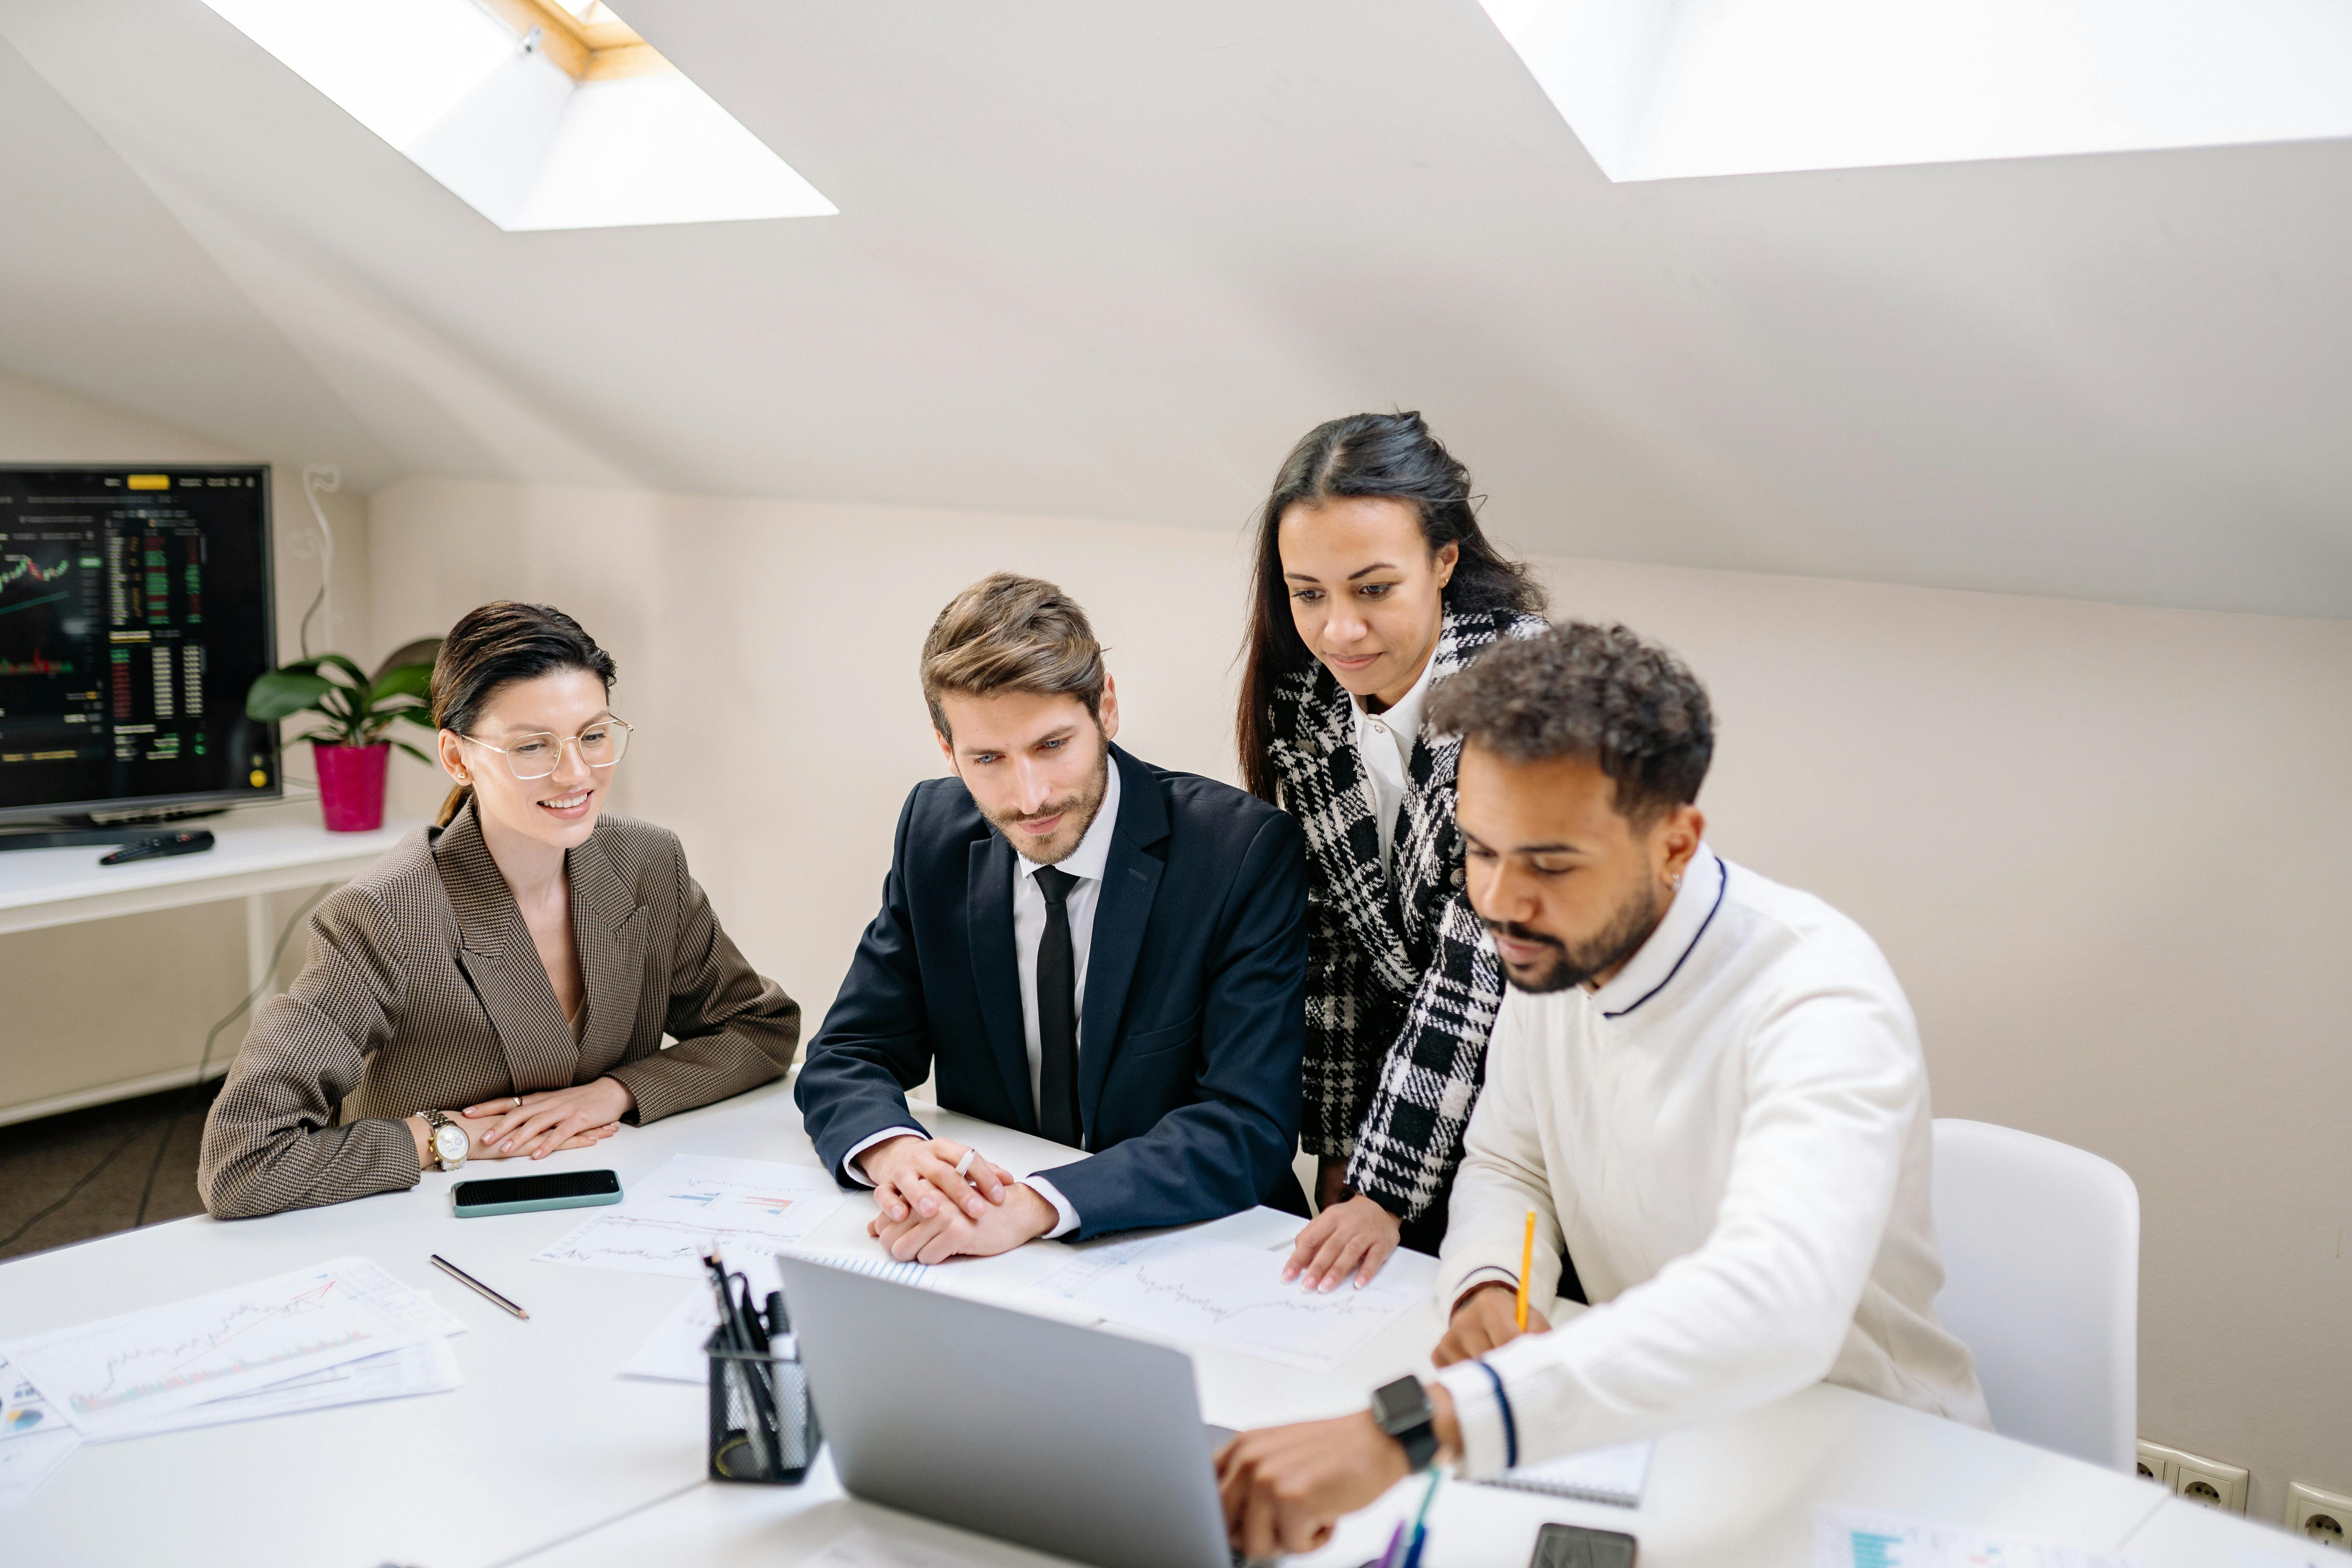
column 1232, row 1297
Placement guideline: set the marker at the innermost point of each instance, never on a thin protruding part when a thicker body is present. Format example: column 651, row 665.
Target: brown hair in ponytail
column 488, row 647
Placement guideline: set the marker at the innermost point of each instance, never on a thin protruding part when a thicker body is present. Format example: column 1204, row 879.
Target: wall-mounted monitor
column 135, row 609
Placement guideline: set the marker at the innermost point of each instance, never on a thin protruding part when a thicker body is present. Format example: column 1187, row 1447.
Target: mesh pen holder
column 762, row 1424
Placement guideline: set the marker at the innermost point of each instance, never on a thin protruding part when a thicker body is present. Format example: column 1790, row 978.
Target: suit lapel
column 608, row 926
column 996, row 969
column 495, row 952
column 1122, row 912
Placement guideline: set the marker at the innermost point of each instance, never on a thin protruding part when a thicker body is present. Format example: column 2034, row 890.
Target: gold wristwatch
column 448, row 1141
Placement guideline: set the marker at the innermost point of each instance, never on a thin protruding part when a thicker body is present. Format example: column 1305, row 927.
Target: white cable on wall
column 316, row 476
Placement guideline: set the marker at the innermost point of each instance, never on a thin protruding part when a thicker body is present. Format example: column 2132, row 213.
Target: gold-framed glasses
column 539, row 754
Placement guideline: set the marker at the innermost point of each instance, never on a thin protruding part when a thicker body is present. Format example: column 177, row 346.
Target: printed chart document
column 744, row 1209
column 116, row 1377
column 430, row 1367
column 1614, row 1474
column 1849, row 1538
column 1219, row 1293
column 34, row 1439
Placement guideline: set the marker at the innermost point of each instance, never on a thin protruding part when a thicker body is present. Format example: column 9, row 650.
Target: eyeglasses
column 537, row 756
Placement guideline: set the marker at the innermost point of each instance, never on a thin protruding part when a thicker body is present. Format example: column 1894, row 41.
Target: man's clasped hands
column 930, row 1213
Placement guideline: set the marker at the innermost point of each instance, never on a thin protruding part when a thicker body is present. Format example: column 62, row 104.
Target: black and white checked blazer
column 422, row 991
column 1402, row 983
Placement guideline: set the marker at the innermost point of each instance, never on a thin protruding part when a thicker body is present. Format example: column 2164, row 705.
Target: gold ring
column 518, row 1100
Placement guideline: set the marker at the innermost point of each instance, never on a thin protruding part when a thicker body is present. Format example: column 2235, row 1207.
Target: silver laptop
column 1078, row 1443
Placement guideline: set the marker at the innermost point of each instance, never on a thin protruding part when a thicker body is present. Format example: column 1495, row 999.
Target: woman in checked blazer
column 1373, row 583
column 497, row 986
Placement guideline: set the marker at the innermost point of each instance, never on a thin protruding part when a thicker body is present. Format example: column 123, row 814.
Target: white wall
column 165, row 978
column 2104, row 847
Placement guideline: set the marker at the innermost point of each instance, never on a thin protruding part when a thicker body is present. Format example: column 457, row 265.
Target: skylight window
column 538, row 113
column 1666, row 88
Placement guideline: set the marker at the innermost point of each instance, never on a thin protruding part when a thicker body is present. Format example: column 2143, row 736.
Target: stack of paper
column 747, row 1210
column 340, row 1333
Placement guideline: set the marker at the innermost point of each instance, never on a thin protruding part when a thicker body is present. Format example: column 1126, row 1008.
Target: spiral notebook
column 1598, row 1475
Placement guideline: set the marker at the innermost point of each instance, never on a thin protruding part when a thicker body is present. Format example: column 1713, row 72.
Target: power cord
column 316, row 476
column 186, row 1101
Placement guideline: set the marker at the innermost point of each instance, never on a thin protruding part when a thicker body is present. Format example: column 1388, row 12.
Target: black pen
column 454, row 1272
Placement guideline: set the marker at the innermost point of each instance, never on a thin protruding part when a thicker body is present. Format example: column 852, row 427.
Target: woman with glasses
column 498, row 985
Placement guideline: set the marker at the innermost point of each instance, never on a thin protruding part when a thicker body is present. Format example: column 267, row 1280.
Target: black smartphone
column 1573, row 1546
column 522, row 1195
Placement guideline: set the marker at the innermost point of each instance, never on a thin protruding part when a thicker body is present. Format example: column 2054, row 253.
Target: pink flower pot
column 350, row 785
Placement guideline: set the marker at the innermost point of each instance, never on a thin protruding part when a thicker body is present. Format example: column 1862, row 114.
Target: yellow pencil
column 1527, row 1267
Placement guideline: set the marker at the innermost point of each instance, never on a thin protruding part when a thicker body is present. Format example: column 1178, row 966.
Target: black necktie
column 1057, row 1014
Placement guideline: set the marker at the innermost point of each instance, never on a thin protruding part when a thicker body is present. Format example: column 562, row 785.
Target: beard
column 1077, row 812
column 1620, row 939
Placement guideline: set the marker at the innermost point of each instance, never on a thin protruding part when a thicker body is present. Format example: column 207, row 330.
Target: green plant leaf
column 423, row 651
column 357, row 676
column 408, row 681
column 420, row 756
column 282, row 693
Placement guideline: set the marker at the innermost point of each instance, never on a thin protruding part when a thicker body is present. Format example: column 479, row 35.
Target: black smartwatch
column 1402, row 1410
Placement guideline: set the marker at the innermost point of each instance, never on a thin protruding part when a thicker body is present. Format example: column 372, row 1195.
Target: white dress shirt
column 1087, row 863
column 1732, row 1140
column 1384, row 740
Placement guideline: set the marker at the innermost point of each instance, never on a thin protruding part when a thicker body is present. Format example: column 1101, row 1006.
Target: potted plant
column 352, row 746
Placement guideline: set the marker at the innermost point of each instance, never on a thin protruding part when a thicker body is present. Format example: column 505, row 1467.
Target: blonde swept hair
column 1010, row 632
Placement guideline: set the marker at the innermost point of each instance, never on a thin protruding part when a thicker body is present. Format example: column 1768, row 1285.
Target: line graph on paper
column 745, row 1208
column 116, row 1374
column 1219, row 1294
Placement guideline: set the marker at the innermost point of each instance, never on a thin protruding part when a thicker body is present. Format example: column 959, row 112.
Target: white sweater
column 1731, row 1138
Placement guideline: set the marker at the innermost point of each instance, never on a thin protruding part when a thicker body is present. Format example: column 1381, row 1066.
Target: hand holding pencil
column 1494, row 1313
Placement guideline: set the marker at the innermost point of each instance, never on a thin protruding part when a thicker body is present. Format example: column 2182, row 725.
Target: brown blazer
column 422, row 991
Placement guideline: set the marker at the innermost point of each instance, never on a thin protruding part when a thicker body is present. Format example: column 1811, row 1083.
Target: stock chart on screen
column 134, row 611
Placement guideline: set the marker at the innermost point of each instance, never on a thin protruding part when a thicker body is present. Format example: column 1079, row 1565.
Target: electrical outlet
column 2216, row 1486
column 2191, row 1476
column 2320, row 1516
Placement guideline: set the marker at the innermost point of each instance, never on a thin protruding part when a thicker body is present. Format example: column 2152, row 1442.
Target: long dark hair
column 1392, row 455
column 503, row 641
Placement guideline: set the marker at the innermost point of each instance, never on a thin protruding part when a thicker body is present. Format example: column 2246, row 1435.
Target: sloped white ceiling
column 1111, row 259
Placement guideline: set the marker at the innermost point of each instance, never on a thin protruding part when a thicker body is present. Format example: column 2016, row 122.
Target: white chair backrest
column 2041, row 1247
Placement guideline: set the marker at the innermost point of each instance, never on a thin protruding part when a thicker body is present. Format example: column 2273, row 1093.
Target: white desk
column 546, row 1457
column 2184, row 1535
column 259, row 851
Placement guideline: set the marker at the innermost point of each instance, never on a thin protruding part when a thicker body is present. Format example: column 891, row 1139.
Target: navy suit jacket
column 1192, row 1024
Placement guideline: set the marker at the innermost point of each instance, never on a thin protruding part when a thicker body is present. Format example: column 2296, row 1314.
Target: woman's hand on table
column 478, row 1147
column 536, row 1125
column 1356, row 1234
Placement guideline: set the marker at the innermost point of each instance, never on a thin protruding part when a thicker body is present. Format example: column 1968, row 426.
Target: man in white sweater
column 1707, row 1087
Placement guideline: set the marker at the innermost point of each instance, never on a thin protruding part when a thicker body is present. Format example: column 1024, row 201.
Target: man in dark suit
column 1083, row 946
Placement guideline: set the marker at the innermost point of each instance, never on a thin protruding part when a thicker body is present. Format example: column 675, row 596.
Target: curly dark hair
column 1602, row 693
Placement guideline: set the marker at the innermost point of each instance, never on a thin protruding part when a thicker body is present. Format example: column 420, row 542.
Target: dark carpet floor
column 69, row 1178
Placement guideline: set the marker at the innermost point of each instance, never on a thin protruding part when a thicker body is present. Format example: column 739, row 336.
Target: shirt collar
column 1093, row 854
column 1661, row 958
column 1403, row 715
